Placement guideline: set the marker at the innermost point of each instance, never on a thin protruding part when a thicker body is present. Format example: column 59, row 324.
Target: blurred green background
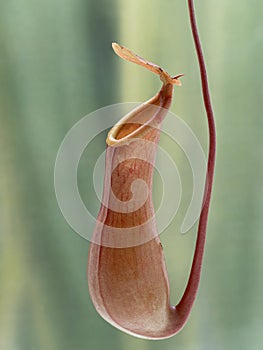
column 56, row 66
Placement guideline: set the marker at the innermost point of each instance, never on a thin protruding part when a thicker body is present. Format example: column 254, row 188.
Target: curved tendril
column 188, row 297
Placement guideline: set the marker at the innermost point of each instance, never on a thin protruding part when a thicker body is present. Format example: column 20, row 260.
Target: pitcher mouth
column 134, row 125
column 143, row 118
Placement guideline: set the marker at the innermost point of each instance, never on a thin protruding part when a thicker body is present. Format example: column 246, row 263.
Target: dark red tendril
column 188, row 297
